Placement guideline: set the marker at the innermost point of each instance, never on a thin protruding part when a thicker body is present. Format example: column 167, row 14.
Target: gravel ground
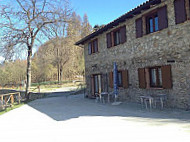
column 75, row 119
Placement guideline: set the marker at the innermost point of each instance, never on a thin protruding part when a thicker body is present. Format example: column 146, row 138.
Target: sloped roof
column 146, row 5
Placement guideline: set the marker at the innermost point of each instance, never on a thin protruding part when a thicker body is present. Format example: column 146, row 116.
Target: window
column 152, row 23
column 155, row 77
column 89, row 48
column 93, row 46
column 120, row 84
column 180, row 11
column 116, row 37
column 122, row 79
column 96, row 84
column 155, row 21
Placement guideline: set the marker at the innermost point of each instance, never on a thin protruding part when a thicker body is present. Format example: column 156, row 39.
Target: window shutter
column 92, row 85
column 139, row 28
column 166, row 77
column 89, row 48
column 180, row 11
column 95, row 45
column 162, row 18
column 123, row 34
column 111, row 79
column 125, row 79
column 142, row 78
column 112, row 39
column 147, row 75
column 109, row 40
column 92, row 47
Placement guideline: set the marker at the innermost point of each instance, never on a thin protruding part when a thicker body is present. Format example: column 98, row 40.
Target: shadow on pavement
column 61, row 106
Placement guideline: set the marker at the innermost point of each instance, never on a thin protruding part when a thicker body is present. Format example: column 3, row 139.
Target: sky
column 100, row 11
column 103, row 11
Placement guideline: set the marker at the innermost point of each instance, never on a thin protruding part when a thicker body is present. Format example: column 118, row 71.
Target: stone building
column 151, row 46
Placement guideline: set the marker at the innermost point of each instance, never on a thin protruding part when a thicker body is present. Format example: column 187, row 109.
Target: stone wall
column 155, row 49
column 32, row 96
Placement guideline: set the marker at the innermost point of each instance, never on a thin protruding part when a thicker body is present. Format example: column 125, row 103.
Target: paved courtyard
column 76, row 119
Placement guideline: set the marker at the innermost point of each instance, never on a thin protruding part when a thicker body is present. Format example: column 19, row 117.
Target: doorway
column 96, row 84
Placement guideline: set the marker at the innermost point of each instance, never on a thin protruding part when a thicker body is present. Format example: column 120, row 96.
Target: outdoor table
column 103, row 96
column 160, row 98
column 145, row 99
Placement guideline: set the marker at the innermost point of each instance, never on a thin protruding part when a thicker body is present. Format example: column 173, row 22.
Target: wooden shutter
column 92, row 46
column 139, row 28
column 125, row 79
column 142, row 78
column 111, row 79
column 89, row 48
column 123, row 34
column 92, row 85
column 112, row 39
column 147, row 75
column 166, row 77
column 180, row 11
column 95, row 45
column 109, row 40
column 162, row 18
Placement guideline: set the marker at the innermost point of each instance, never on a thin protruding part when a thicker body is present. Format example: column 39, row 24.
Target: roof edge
column 146, row 5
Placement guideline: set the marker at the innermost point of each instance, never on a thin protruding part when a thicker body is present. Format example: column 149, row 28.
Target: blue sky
column 103, row 11
column 100, row 11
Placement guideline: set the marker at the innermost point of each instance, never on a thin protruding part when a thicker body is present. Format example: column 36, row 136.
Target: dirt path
column 75, row 119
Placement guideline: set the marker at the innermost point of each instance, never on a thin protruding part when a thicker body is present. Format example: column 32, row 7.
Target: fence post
column 18, row 97
column 39, row 88
column 5, row 100
column 12, row 99
column 2, row 98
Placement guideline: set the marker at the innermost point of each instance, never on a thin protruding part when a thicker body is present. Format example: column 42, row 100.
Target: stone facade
column 154, row 49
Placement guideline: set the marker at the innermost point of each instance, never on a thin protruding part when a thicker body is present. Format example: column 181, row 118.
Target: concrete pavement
column 75, row 119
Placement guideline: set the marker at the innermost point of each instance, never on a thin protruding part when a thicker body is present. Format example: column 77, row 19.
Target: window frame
column 93, row 49
column 112, row 37
column 89, row 48
column 159, row 84
column 99, row 84
column 121, row 83
column 152, row 16
column 117, row 36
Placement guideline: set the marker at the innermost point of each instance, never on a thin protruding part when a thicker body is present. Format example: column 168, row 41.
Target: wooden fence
column 9, row 99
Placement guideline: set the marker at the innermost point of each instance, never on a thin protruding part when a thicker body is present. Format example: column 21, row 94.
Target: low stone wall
column 32, row 96
column 35, row 96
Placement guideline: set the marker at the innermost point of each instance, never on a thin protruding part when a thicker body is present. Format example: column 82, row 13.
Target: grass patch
column 51, row 86
column 11, row 108
column 47, row 83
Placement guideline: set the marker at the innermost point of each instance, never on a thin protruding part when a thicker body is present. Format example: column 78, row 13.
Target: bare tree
column 57, row 34
column 22, row 24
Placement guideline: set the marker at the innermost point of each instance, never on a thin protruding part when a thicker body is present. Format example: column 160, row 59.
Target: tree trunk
column 58, row 66
column 28, row 72
column 61, row 74
column 58, row 73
